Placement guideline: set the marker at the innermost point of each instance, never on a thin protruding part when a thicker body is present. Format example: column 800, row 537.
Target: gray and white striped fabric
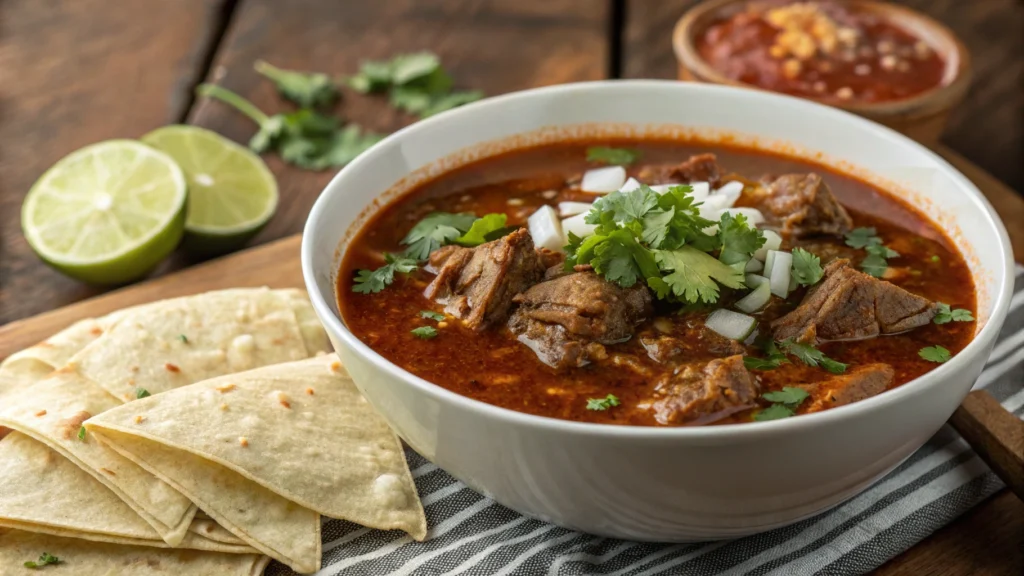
column 474, row 536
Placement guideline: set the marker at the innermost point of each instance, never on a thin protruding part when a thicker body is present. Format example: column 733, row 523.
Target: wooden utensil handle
column 995, row 434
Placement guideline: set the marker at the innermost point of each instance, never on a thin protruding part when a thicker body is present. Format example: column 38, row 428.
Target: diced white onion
column 769, row 264
column 772, row 241
column 566, row 209
column 731, row 191
column 711, row 207
column 754, row 265
column 781, row 272
column 754, row 216
column 603, row 180
column 755, row 280
column 756, row 300
column 732, row 325
column 630, row 185
column 577, row 226
column 546, row 229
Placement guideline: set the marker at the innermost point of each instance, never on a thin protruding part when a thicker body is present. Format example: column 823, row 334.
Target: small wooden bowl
column 922, row 117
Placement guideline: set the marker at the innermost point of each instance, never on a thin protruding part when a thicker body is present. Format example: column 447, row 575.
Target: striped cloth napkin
column 475, row 536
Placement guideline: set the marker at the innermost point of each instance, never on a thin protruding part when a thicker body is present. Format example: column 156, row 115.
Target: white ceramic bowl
column 661, row 484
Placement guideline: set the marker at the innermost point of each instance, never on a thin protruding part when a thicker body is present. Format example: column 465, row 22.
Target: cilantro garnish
column 862, row 238
column 739, row 239
column 417, row 84
column 307, row 89
column 945, row 314
column 81, row 433
column 373, row 281
column 643, row 236
column 615, row 156
column 304, row 137
column 806, row 267
column 183, row 338
column 935, row 258
column 812, row 356
column 774, row 359
column 601, row 404
column 45, row 559
column 481, row 229
column 141, row 393
column 431, row 315
column 875, row 263
column 935, row 354
column 424, row 332
column 434, row 231
column 784, row 403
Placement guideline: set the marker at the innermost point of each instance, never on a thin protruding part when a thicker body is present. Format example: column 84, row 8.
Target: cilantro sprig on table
column 307, row 89
column 876, row 262
column 612, row 156
column 415, row 83
column 659, row 239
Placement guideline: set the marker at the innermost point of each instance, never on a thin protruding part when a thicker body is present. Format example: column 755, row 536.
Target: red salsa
column 821, row 50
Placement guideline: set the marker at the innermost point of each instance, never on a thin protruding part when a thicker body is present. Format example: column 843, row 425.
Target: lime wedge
column 232, row 193
column 107, row 213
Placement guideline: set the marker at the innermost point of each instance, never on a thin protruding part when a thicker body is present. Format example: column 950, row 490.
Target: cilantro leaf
column 431, row 315
column 424, row 332
column 945, row 314
column 183, row 338
column 806, row 267
column 874, row 265
column 935, row 354
column 774, row 412
column 789, row 395
column 373, row 76
column 881, row 251
column 621, row 259
column 693, row 274
column 602, row 404
column 81, row 433
column 434, row 231
column 739, row 239
column 141, row 393
column 307, row 89
column 624, row 207
column 373, row 281
column 687, row 225
column 812, row 356
column 770, row 363
column 477, row 233
column 45, row 559
column 615, row 156
column 408, row 67
column 862, row 237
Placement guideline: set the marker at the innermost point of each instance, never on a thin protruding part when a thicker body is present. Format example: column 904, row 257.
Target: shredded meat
column 851, row 305
column 700, row 394
column 699, row 168
column 477, row 284
column 802, row 205
column 567, row 321
column 853, row 386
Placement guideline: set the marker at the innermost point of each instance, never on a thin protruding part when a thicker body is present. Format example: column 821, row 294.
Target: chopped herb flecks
column 614, row 156
column 431, row 315
column 601, row 404
column 45, row 559
column 81, row 433
column 424, row 332
column 141, row 393
column 936, row 354
column 183, row 338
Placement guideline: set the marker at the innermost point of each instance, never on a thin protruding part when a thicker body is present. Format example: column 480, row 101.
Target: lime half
column 232, row 193
column 107, row 213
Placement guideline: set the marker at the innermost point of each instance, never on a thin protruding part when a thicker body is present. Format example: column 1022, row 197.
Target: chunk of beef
column 699, row 168
column 855, row 385
column 802, row 205
column 477, row 284
column 567, row 320
column 851, row 305
column 697, row 341
column 699, row 394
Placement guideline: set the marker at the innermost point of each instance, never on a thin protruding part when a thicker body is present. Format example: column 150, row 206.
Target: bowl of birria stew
column 658, row 310
column 885, row 62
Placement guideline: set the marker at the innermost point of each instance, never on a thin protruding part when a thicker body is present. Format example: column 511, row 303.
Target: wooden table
column 79, row 71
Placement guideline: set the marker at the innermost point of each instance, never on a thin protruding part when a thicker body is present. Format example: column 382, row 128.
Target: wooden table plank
column 73, row 73
column 987, row 540
column 495, row 46
column 987, row 129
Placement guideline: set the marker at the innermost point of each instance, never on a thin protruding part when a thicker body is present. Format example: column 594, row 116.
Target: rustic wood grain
column 72, row 73
column 987, row 540
column 988, row 128
column 995, row 434
column 494, row 46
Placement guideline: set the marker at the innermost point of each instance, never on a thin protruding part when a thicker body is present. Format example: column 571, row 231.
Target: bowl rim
column 334, row 325
column 926, row 103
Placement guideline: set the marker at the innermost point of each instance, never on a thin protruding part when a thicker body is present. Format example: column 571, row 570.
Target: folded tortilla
column 300, row 431
column 157, row 347
column 81, row 558
column 44, row 492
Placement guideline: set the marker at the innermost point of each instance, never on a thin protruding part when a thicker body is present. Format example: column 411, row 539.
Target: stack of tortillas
column 191, row 436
